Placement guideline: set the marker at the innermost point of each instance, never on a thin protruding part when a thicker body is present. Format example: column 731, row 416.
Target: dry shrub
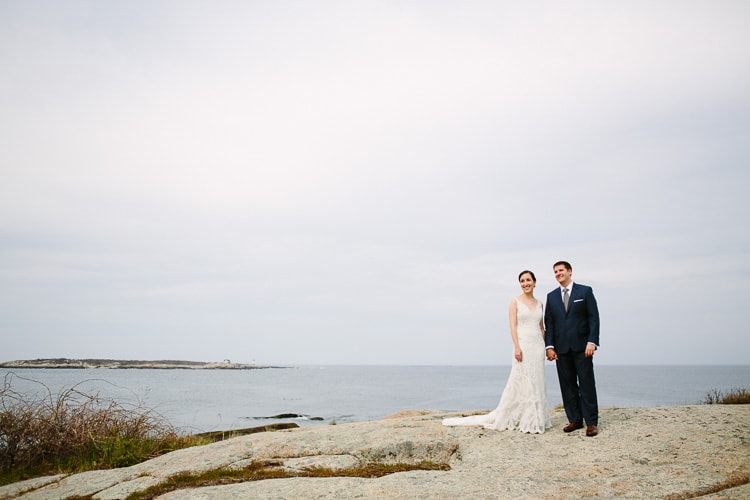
column 73, row 430
column 733, row 397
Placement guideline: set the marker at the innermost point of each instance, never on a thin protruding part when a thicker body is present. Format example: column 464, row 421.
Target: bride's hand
column 519, row 355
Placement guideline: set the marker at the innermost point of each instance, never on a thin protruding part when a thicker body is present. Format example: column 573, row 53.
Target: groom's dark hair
column 563, row 263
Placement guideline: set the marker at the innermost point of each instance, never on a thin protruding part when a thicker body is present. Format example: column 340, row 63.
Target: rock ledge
column 640, row 452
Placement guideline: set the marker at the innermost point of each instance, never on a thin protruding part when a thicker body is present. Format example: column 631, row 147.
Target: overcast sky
column 360, row 182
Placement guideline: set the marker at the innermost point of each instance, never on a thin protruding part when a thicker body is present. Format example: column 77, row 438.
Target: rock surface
column 639, row 452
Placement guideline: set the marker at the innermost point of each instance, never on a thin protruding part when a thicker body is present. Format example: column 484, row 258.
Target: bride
column 523, row 405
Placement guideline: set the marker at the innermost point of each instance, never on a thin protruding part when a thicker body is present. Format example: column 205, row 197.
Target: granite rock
column 639, row 452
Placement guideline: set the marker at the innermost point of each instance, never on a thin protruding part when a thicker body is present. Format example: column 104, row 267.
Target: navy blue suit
column 569, row 333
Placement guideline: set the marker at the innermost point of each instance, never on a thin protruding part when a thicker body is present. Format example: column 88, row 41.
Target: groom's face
column 563, row 274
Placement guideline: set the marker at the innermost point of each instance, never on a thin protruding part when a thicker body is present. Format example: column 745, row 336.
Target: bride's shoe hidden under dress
column 523, row 404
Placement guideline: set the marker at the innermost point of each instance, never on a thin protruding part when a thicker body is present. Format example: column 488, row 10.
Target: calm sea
column 205, row 400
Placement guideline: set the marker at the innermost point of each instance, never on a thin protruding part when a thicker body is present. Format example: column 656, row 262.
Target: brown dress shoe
column 591, row 430
column 573, row 426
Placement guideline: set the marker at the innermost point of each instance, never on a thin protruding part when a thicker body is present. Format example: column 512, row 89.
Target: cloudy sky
column 360, row 182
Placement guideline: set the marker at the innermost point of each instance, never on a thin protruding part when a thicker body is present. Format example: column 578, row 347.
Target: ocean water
column 206, row 400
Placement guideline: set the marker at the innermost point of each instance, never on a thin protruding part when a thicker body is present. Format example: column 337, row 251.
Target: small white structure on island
column 227, row 362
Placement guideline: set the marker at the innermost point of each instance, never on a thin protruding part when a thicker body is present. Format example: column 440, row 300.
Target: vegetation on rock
column 733, row 397
column 73, row 431
column 260, row 470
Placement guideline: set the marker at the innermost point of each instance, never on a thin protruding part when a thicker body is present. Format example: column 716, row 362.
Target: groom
column 571, row 320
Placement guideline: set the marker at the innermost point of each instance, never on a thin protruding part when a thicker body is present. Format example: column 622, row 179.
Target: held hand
column 519, row 355
column 551, row 354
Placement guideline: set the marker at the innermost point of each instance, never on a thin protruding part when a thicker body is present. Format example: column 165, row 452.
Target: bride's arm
column 512, row 319
column 541, row 325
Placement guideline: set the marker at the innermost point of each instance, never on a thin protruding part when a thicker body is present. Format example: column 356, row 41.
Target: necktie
column 565, row 298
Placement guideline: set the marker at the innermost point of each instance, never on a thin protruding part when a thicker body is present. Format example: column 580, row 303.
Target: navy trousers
column 576, row 375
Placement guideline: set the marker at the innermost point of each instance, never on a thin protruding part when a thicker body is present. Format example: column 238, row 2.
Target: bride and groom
column 566, row 331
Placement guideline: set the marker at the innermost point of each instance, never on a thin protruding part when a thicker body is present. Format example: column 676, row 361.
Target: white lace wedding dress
column 523, row 404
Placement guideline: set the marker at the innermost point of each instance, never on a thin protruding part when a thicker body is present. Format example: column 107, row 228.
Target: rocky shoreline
column 665, row 452
column 54, row 363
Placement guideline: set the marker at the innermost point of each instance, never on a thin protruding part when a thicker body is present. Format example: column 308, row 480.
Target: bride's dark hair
column 533, row 278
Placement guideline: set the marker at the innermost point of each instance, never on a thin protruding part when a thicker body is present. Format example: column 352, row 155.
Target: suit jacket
column 571, row 330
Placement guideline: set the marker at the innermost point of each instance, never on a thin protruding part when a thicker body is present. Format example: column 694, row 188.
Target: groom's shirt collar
column 569, row 287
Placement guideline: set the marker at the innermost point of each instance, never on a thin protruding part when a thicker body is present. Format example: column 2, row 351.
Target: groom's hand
column 551, row 354
column 590, row 348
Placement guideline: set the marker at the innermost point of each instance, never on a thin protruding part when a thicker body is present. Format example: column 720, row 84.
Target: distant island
column 121, row 364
